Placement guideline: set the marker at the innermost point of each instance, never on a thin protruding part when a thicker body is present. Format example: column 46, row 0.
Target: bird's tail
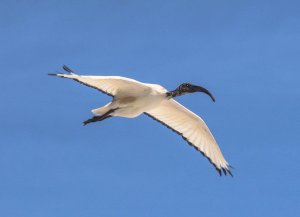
column 102, row 110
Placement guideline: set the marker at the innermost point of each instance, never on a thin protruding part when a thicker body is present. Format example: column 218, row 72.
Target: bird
column 131, row 98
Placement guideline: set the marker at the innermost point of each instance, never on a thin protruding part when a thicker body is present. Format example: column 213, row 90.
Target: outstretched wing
column 110, row 85
column 192, row 129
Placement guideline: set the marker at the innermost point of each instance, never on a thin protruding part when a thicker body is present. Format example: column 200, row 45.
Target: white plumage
column 132, row 98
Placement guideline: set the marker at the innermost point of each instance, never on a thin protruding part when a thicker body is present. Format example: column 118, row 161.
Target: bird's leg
column 99, row 118
column 95, row 119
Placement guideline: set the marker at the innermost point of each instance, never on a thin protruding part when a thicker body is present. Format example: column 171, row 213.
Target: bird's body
column 132, row 104
column 132, row 98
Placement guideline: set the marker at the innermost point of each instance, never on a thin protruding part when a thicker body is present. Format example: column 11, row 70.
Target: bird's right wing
column 110, row 85
column 192, row 129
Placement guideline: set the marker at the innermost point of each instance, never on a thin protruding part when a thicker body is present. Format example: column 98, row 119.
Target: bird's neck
column 174, row 93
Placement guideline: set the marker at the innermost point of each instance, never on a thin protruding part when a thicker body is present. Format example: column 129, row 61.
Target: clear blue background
column 245, row 52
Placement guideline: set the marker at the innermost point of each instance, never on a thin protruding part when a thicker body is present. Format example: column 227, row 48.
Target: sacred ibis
column 132, row 98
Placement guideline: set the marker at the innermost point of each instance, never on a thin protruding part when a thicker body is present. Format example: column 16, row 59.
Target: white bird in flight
column 132, row 98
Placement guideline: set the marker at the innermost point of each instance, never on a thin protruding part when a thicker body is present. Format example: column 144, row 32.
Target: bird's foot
column 95, row 119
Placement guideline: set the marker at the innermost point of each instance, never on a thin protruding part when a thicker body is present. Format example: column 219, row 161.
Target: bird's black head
column 189, row 88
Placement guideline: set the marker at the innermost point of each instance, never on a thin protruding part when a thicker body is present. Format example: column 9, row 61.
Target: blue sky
column 245, row 52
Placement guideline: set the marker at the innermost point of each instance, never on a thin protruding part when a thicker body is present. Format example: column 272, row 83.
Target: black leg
column 99, row 118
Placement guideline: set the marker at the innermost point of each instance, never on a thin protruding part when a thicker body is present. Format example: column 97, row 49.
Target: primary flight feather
column 132, row 98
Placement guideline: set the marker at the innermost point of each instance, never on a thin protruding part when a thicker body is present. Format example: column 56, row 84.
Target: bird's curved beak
column 203, row 90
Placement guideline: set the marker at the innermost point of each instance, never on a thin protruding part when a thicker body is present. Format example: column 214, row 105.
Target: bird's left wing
column 192, row 129
column 110, row 85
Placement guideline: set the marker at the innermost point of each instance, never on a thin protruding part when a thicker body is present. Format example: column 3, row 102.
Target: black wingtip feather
column 227, row 171
column 52, row 74
column 67, row 69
